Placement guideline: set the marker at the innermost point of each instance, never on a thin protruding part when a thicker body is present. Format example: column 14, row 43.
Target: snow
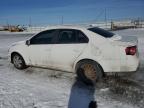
column 44, row 88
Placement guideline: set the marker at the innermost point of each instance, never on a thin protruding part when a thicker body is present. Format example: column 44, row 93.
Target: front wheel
column 18, row 61
column 89, row 71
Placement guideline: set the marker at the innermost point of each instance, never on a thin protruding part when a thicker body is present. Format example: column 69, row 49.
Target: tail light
column 131, row 50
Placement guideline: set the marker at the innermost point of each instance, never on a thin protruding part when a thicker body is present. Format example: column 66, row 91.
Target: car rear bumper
column 125, row 67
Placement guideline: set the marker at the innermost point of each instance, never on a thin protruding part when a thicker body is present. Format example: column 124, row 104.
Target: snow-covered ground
column 44, row 88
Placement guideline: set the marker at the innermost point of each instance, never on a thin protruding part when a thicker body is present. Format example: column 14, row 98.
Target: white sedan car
column 90, row 52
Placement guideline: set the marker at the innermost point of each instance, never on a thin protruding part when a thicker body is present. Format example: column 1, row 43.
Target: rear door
column 69, row 45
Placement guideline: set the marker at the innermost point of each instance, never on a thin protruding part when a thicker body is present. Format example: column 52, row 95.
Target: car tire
column 18, row 61
column 89, row 71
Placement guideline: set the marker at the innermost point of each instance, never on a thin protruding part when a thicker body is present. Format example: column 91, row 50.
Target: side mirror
column 27, row 42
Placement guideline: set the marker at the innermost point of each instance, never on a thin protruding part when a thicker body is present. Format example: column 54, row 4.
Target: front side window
column 45, row 37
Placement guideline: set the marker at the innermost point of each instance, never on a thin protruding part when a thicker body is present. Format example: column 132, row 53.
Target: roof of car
column 66, row 27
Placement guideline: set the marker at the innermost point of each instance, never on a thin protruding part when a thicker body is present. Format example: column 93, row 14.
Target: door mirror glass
column 28, row 42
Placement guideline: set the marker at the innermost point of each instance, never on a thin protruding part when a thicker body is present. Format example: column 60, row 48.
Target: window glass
column 82, row 38
column 102, row 32
column 45, row 37
column 67, row 36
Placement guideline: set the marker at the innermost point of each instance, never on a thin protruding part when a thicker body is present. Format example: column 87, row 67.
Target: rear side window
column 71, row 36
column 102, row 32
column 82, row 38
column 67, row 36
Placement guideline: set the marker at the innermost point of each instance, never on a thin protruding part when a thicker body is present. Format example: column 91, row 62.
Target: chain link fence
column 116, row 24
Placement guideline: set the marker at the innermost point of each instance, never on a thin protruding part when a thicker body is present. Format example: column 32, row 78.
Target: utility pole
column 105, row 18
column 62, row 20
column 7, row 23
column 30, row 23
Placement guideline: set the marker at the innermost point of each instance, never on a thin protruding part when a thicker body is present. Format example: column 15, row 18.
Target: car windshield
column 102, row 32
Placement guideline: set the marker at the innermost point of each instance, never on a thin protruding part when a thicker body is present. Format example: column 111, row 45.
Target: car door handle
column 47, row 49
column 76, row 50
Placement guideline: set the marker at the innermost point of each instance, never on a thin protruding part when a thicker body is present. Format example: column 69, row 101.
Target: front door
column 39, row 50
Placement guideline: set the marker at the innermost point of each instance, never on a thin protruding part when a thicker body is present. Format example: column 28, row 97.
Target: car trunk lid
column 124, row 40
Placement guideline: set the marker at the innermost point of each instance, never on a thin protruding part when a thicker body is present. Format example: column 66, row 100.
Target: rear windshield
column 102, row 32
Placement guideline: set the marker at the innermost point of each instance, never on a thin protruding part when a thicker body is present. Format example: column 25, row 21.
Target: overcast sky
column 73, row 11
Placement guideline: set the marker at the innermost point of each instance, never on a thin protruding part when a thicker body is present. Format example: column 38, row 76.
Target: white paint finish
column 64, row 55
column 39, row 55
column 109, row 53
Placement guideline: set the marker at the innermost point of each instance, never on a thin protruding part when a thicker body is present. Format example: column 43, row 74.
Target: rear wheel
column 89, row 71
column 18, row 61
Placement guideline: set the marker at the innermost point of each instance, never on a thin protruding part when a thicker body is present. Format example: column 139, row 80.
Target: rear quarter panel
column 103, row 52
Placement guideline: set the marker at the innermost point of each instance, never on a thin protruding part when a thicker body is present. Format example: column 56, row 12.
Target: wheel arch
column 86, row 59
column 13, row 53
